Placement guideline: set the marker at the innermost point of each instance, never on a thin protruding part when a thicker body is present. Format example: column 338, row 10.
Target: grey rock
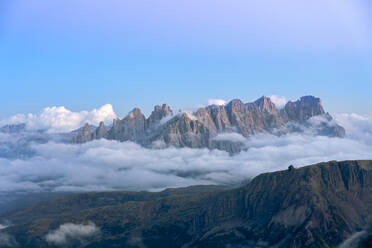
column 182, row 131
column 100, row 132
column 131, row 128
column 200, row 130
column 84, row 135
column 303, row 109
column 157, row 115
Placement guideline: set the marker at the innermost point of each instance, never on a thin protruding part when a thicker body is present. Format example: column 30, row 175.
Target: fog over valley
column 47, row 161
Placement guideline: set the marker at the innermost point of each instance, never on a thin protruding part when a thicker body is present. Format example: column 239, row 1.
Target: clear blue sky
column 83, row 54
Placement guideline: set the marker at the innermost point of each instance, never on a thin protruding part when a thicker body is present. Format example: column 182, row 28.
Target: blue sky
column 83, row 54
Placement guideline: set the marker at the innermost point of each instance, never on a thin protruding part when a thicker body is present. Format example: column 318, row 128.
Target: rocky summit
column 323, row 205
column 201, row 128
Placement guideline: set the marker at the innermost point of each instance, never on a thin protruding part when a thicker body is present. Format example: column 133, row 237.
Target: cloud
column 358, row 127
column 3, row 226
column 216, row 102
column 353, row 240
column 7, row 240
column 60, row 119
column 103, row 165
column 234, row 137
column 188, row 113
column 279, row 101
column 71, row 232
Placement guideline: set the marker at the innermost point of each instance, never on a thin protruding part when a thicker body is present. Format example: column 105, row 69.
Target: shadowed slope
column 315, row 206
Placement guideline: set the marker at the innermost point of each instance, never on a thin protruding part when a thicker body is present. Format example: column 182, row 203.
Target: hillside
column 321, row 205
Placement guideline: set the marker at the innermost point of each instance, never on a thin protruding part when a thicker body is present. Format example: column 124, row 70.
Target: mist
column 104, row 165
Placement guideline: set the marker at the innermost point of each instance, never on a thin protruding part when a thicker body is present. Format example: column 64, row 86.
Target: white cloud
column 358, row 127
column 216, row 102
column 60, row 119
column 188, row 113
column 279, row 101
column 353, row 240
column 7, row 240
column 69, row 231
column 110, row 165
column 234, row 137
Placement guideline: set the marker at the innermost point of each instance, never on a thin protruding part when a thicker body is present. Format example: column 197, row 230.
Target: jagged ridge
column 199, row 130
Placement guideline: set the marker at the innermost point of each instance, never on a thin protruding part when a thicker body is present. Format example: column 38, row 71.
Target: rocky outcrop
column 131, row 128
column 157, row 115
column 84, row 135
column 199, row 129
column 183, row 131
column 321, row 205
column 303, row 109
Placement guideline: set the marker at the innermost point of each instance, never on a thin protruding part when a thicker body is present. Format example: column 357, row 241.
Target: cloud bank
column 2, row 226
column 71, row 232
column 234, row 137
column 60, row 119
column 7, row 240
column 38, row 162
column 103, row 165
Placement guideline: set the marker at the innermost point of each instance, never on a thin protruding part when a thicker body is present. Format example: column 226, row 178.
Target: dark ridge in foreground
column 321, row 205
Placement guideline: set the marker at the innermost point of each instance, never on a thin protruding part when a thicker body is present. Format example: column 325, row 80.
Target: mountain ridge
column 320, row 205
column 200, row 128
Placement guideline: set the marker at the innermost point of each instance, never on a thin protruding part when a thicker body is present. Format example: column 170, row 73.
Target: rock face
column 157, row 115
column 132, row 127
column 200, row 129
column 322, row 205
column 84, row 135
column 303, row 109
column 100, row 132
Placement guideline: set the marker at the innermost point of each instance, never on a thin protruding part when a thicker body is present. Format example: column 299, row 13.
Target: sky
column 85, row 54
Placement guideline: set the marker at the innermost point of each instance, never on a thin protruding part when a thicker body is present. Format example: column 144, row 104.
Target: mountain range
column 322, row 205
column 205, row 127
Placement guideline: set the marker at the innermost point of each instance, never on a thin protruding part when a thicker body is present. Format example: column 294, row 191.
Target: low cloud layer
column 7, row 240
column 60, row 119
column 234, row 137
column 70, row 232
column 103, row 165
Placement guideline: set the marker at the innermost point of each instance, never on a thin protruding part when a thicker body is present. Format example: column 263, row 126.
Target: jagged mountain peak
column 235, row 101
column 101, row 124
column 235, row 105
column 265, row 103
column 134, row 113
column 303, row 109
column 200, row 128
column 160, row 111
column 86, row 128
